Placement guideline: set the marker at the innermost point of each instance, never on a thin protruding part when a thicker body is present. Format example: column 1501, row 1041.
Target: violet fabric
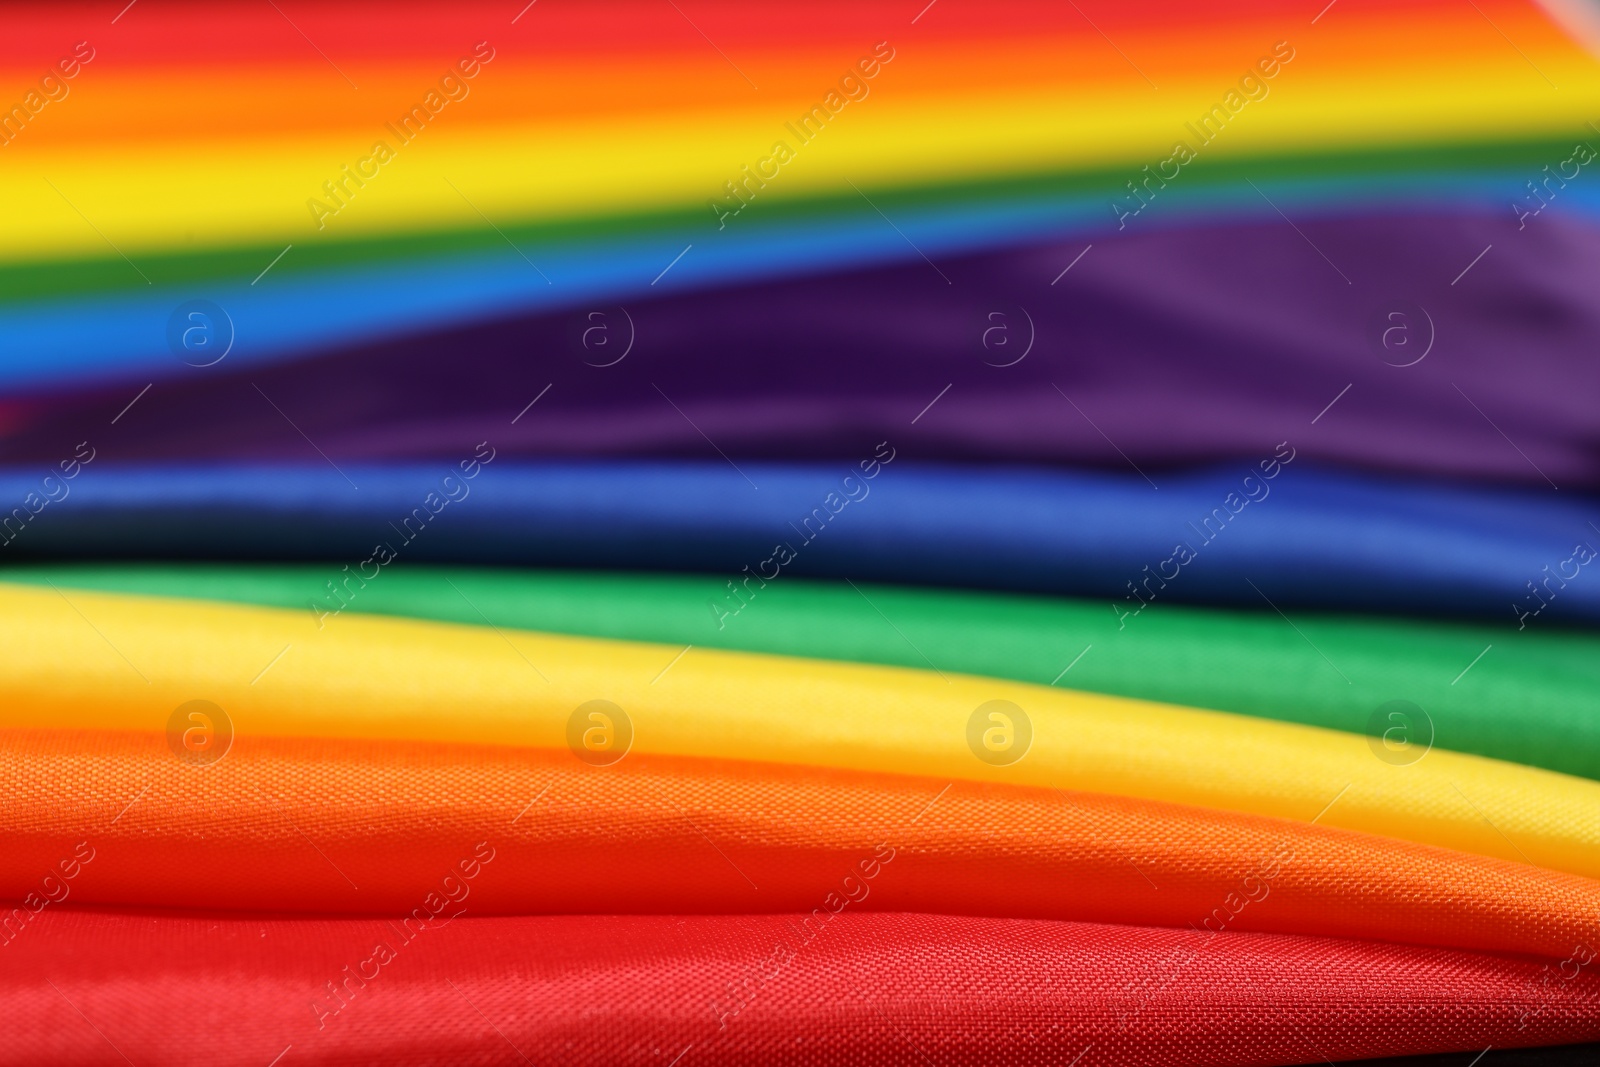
column 1159, row 349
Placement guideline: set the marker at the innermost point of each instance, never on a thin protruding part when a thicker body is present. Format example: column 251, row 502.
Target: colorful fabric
column 124, row 662
column 1276, row 531
column 1233, row 315
column 1532, row 697
column 502, row 184
column 1270, row 311
column 801, row 989
column 371, row 827
column 1550, row 1056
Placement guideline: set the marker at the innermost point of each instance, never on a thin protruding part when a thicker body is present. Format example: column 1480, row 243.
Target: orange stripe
column 372, row 827
column 120, row 105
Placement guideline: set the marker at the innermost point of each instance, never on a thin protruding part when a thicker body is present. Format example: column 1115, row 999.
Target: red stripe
column 854, row 989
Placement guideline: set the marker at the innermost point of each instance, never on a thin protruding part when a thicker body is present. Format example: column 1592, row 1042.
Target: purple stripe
column 1171, row 347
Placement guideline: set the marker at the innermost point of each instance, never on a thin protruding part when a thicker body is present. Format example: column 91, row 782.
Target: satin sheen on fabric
column 91, row 987
column 1193, row 344
column 1315, row 538
column 1532, row 700
column 373, row 827
column 275, row 673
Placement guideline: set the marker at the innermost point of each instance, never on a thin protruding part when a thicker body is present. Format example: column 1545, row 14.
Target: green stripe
column 1533, row 698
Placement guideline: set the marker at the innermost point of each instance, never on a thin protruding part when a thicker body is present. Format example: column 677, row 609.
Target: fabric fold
column 1548, row 1056
column 1227, row 312
column 92, row 987
column 113, row 661
column 1532, row 700
column 1275, row 529
column 397, row 828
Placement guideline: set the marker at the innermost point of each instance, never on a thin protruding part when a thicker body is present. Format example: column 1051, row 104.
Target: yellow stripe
column 113, row 661
column 145, row 195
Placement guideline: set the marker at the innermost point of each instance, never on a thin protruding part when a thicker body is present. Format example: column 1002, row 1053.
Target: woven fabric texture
column 127, row 662
column 902, row 989
column 1532, row 700
column 1324, row 539
column 1193, row 326
column 377, row 827
column 1548, row 1056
